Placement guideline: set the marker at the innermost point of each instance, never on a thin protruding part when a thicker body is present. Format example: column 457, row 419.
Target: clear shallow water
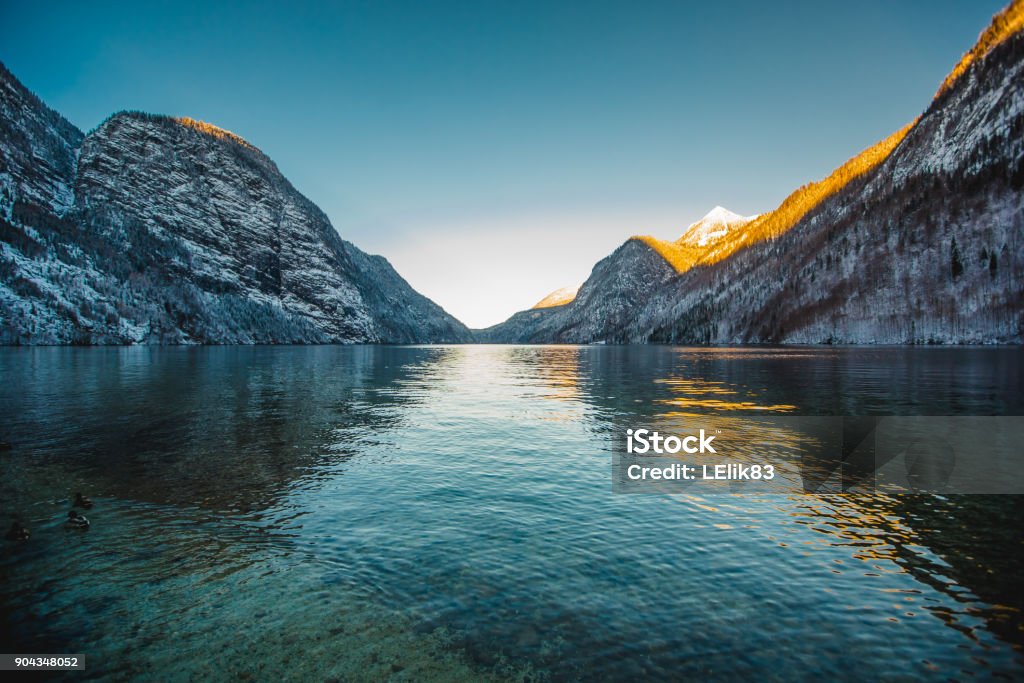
column 446, row 513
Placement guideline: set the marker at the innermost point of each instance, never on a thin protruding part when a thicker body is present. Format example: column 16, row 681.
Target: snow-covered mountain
column 37, row 149
column 918, row 239
column 153, row 229
column 717, row 223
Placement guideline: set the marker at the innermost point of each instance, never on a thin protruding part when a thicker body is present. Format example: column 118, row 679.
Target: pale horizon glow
column 533, row 256
column 494, row 152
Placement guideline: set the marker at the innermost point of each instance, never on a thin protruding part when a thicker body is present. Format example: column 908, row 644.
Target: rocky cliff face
column 925, row 246
column 37, row 148
column 161, row 230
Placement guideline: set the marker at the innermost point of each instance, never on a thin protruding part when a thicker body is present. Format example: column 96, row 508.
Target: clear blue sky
column 493, row 151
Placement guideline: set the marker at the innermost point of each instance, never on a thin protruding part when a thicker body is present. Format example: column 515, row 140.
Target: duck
column 18, row 532
column 76, row 521
column 82, row 502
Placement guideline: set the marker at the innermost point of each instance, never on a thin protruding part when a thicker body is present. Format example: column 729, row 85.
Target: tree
column 956, row 265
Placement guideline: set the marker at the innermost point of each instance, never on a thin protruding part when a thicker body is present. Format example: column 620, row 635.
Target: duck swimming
column 82, row 502
column 18, row 532
column 76, row 521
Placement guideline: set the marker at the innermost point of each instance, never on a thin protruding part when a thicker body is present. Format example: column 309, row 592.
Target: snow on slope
column 159, row 230
column 714, row 225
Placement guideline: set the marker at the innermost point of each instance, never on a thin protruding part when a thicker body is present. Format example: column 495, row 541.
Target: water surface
column 443, row 513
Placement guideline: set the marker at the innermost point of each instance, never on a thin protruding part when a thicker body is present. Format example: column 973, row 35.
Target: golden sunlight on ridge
column 212, row 130
column 559, row 297
column 797, row 205
column 1004, row 24
column 770, row 225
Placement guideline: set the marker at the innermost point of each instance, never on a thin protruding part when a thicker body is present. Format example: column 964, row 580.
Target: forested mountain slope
column 918, row 239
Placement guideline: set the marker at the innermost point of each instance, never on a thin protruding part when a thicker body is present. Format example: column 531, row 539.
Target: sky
column 495, row 150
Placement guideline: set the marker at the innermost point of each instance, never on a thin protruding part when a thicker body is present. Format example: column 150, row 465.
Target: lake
column 447, row 513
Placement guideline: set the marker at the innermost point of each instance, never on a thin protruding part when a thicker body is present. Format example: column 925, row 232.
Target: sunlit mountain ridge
column 559, row 297
column 683, row 256
column 1004, row 24
column 914, row 240
column 213, row 131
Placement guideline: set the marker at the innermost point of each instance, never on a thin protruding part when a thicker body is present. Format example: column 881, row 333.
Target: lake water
column 446, row 513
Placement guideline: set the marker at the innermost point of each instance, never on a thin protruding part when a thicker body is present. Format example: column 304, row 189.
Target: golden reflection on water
column 561, row 374
column 868, row 525
column 549, row 373
column 699, row 393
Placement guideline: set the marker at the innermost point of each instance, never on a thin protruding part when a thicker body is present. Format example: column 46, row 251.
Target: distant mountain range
column 918, row 239
column 152, row 229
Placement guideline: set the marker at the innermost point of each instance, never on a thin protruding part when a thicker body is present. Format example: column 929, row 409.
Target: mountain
column 917, row 239
column 618, row 285
column 559, row 297
column 716, row 224
column 37, row 147
column 152, row 229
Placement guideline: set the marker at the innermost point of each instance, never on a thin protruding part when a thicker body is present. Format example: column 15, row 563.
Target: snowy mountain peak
column 721, row 214
column 714, row 225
